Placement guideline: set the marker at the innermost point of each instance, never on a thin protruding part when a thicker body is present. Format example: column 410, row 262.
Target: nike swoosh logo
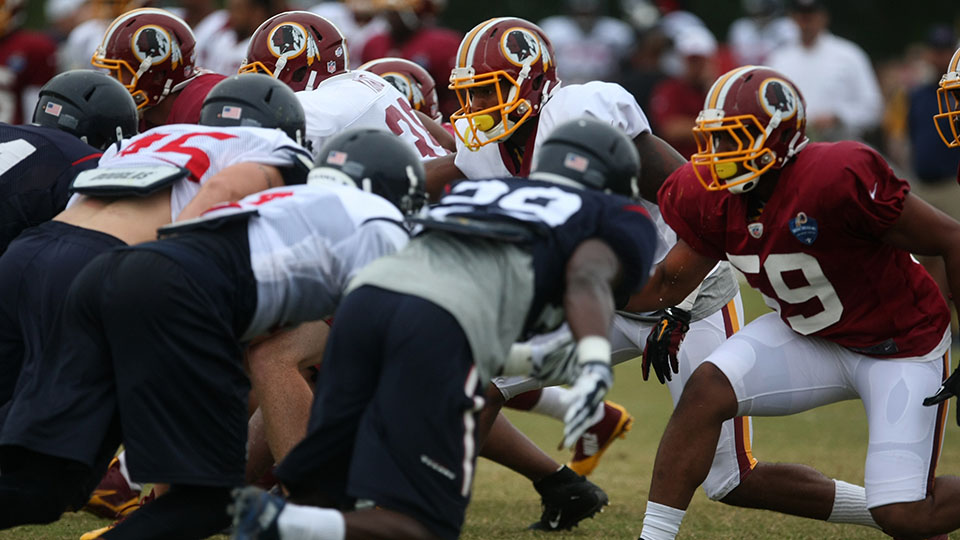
column 873, row 192
column 554, row 523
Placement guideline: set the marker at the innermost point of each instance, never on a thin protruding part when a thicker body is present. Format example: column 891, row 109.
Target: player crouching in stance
column 149, row 349
column 825, row 232
column 448, row 309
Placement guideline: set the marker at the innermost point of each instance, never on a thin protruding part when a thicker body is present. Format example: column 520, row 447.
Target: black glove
column 663, row 343
column 949, row 389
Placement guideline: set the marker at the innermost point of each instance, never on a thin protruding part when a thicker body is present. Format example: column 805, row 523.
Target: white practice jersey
column 607, row 102
column 359, row 99
column 306, row 244
column 202, row 150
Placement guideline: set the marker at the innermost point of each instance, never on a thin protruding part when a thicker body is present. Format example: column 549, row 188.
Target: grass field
column 832, row 439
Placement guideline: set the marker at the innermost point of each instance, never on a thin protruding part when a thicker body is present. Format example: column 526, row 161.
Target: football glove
column 663, row 344
column 949, row 389
column 591, row 386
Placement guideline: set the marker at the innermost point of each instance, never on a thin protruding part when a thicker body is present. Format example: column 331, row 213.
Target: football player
column 153, row 53
column 506, row 81
column 27, row 61
column 80, row 113
column 449, row 306
column 288, row 47
column 856, row 317
column 162, row 364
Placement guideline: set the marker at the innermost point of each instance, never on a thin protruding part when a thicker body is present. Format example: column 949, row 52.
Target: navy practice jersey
column 552, row 219
column 37, row 165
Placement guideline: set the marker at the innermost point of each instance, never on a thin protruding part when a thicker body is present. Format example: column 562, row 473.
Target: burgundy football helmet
column 151, row 51
column 298, row 48
column 512, row 59
column 411, row 80
column 753, row 120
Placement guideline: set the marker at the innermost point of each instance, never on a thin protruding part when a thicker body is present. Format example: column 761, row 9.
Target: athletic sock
column 184, row 512
column 310, row 523
column 661, row 522
column 850, row 505
column 553, row 402
column 122, row 458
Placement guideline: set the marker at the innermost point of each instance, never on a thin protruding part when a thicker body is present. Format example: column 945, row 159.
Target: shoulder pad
column 126, row 181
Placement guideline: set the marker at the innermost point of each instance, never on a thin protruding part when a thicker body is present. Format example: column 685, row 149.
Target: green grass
column 832, row 438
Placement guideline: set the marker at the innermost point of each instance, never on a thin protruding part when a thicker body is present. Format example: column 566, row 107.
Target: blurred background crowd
column 868, row 68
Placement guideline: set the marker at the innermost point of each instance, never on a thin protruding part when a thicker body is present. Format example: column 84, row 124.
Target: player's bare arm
column 592, row 271
column 232, row 184
column 923, row 230
column 442, row 136
column 440, row 172
column 659, row 160
column 676, row 276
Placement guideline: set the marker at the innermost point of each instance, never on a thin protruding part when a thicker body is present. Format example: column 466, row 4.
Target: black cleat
column 567, row 499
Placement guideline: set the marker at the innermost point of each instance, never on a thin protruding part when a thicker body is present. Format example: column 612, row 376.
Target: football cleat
column 255, row 514
column 113, row 498
column 616, row 422
column 97, row 533
column 567, row 499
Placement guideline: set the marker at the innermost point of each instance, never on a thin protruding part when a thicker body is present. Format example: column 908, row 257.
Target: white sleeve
column 267, row 147
column 607, row 102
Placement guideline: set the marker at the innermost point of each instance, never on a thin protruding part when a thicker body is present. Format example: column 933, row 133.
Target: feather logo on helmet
column 154, row 43
column 777, row 95
column 520, row 46
column 287, row 40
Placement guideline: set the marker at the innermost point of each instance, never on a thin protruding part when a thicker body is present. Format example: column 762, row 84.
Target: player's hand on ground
column 596, row 378
column 949, row 389
column 663, row 344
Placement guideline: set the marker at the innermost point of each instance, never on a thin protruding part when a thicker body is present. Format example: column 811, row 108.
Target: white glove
column 534, row 356
column 589, row 390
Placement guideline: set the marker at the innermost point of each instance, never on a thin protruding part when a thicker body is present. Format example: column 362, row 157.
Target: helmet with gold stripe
column 505, row 72
column 753, row 120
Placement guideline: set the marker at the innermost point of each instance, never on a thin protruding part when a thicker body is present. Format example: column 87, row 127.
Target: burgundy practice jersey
column 188, row 102
column 816, row 253
column 26, row 59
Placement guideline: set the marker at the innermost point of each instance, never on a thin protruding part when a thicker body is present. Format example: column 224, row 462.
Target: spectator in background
column 62, row 17
column 85, row 37
column 834, row 74
column 207, row 23
column 763, row 30
column 676, row 102
column 589, row 46
column 413, row 34
column 229, row 47
column 27, row 62
column 643, row 68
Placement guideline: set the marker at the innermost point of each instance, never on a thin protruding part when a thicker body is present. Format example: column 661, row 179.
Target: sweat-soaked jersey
column 816, row 251
column 203, row 151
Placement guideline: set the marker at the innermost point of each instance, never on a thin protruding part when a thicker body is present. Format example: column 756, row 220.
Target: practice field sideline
column 833, row 439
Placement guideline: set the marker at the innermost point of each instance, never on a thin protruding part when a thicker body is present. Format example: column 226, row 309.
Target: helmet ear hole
column 299, row 74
